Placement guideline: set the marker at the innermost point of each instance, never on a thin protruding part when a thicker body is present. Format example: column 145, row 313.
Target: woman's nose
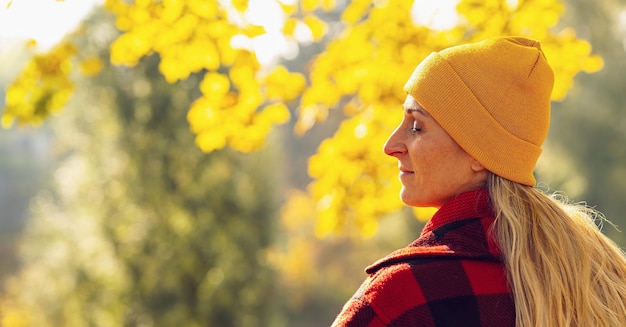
column 394, row 145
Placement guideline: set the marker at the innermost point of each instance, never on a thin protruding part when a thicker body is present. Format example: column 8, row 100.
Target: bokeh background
column 219, row 163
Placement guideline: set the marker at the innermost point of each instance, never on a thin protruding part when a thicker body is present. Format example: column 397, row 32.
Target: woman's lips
column 404, row 173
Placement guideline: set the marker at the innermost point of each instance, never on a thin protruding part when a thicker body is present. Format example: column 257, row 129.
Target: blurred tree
column 143, row 228
column 589, row 128
column 23, row 167
column 22, row 175
column 372, row 48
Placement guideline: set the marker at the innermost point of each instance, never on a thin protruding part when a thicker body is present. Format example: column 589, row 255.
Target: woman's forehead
column 411, row 105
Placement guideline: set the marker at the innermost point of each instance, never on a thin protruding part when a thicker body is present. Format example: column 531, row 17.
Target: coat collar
column 471, row 204
column 460, row 228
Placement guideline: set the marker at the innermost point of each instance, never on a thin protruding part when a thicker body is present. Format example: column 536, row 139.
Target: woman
column 498, row 252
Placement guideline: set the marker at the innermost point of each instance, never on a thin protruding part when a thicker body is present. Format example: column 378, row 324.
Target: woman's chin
column 409, row 198
column 417, row 200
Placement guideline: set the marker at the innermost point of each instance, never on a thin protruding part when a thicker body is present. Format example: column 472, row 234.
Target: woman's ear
column 476, row 166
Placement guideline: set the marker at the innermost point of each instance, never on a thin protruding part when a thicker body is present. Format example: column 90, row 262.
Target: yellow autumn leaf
column 138, row 15
column 253, row 31
column 329, row 5
column 252, row 140
column 355, row 11
column 326, row 206
column 203, row 8
column 215, row 85
column 171, row 11
column 91, row 66
column 123, row 23
column 288, row 9
column 240, row 5
column 249, row 100
column 217, row 29
column 117, row 7
column 211, row 140
column 308, row 5
column 142, row 3
column 7, row 120
column 593, row 64
column 316, row 26
column 15, row 94
column 242, row 75
column 561, row 87
column 178, row 35
column 200, row 55
column 204, row 115
column 283, row 85
column 43, row 87
column 290, row 26
column 128, row 49
column 276, row 113
column 228, row 55
column 170, row 67
column 58, row 99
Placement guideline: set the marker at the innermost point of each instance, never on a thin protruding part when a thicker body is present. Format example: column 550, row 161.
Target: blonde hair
column 561, row 269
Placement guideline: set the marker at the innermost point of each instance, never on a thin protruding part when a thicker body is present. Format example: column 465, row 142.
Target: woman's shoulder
column 440, row 291
column 433, row 278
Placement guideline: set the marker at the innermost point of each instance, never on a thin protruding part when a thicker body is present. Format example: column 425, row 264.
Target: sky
column 45, row 21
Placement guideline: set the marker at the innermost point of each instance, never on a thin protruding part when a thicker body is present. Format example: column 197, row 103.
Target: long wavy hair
column 561, row 269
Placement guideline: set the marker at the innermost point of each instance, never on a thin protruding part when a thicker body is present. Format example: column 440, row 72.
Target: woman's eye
column 415, row 128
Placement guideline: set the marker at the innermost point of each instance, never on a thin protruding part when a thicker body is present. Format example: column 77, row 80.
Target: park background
column 219, row 163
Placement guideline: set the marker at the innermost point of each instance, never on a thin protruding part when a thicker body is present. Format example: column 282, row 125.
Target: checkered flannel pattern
column 450, row 276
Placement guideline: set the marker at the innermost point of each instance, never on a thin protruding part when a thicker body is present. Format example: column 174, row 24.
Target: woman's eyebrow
column 410, row 110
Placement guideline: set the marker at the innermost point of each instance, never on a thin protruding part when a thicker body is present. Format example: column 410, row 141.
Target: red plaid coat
column 450, row 276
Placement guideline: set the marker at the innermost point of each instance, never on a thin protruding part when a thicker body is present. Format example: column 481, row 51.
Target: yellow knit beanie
column 493, row 98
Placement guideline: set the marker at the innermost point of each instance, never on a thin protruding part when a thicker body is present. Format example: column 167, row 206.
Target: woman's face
column 433, row 167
